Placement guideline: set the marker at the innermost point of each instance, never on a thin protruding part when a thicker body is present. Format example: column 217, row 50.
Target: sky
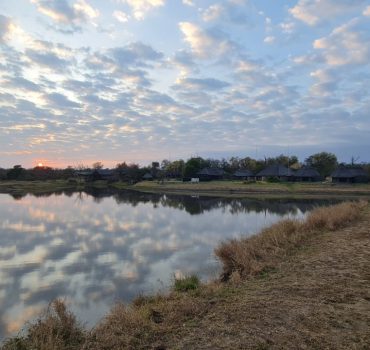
column 145, row 80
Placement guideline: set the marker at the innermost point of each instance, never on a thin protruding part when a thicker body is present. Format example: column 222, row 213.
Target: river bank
column 314, row 294
column 237, row 189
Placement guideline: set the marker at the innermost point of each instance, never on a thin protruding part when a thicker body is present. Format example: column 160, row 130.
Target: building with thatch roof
column 350, row 175
column 276, row 171
column 208, row 174
column 243, row 174
column 97, row 174
column 148, row 176
column 307, row 175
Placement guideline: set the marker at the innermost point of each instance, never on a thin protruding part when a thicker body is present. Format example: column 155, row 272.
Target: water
column 96, row 248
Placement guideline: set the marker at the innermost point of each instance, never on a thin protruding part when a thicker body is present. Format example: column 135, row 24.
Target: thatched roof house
column 97, row 174
column 207, row 174
column 243, row 174
column 307, row 174
column 350, row 175
column 278, row 171
column 148, row 176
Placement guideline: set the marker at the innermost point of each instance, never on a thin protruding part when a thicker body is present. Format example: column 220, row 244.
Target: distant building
column 307, row 175
column 208, row 174
column 243, row 174
column 97, row 174
column 276, row 171
column 148, row 177
column 350, row 175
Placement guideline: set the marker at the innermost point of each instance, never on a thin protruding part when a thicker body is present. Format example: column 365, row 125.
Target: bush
column 186, row 283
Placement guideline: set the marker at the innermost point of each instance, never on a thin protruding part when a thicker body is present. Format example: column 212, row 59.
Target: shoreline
column 231, row 189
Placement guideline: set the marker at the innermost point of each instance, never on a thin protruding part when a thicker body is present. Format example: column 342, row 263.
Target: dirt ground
column 317, row 298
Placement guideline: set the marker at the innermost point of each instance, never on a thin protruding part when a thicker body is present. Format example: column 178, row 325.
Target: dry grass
column 252, row 255
column 57, row 329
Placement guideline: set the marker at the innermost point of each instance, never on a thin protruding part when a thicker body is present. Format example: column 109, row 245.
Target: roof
column 349, row 172
column 276, row 170
column 307, row 172
column 148, row 176
column 243, row 173
column 104, row 172
column 83, row 173
column 211, row 172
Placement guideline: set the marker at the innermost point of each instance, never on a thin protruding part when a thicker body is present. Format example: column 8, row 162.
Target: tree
column 193, row 165
column 16, row 173
column 97, row 165
column 324, row 162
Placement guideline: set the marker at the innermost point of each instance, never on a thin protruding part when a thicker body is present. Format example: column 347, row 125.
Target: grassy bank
column 214, row 188
column 296, row 285
column 255, row 189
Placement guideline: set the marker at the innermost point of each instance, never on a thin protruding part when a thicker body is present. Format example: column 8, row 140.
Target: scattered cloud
column 208, row 84
column 140, row 8
column 269, row 39
column 188, row 2
column 143, row 87
column 121, row 16
column 313, row 12
column 366, row 12
column 205, row 43
column 62, row 13
column 346, row 44
column 5, row 28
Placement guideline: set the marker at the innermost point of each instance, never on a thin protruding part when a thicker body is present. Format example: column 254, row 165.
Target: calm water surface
column 96, row 248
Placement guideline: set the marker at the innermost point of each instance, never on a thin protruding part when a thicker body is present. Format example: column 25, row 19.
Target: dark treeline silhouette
column 325, row 163
column 194, row 205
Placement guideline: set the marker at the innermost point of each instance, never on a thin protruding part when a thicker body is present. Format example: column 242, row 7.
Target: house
column 307, row 175
column 148, row 177
column 350, row 175
column 97, row 174
column 208, row 174
column 276, row 171
column 243, row 174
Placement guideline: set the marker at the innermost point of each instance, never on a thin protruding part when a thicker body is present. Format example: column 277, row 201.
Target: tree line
column 324, row 162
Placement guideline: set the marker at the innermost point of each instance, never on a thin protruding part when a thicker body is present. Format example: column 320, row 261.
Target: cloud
column 205, row 43
column 135, row 54
column 213, row 12
column 5, row 28
column 366, row 12
column 188, row 2
column 209, row 84
column 313, row 12
column 346, row 44
column 63, row 13
column 140, row 8
column 59, row 101
column 235, row 12
column 269, row 39
column 121, row 16
column 47, row 59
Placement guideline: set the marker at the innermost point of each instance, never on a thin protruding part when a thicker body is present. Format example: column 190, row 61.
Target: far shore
column 226, row 188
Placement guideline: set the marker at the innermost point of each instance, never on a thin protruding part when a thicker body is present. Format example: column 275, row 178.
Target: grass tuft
column 252, row 255
column 57, row 329
column 186, row 283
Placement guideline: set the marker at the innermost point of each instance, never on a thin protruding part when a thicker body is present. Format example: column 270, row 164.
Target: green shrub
column 186, row 283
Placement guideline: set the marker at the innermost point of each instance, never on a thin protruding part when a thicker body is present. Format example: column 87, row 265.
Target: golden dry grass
column 57, row 329
column 251, row 255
